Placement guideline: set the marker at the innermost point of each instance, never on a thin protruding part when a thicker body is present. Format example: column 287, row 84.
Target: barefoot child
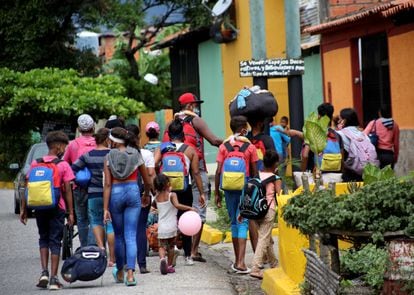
column 50, row 222
column 168, row 205
column 265, row 225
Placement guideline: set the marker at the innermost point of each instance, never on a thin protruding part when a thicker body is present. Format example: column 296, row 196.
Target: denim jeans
column 238, row 229
column 125, row 208
column 142, row 237
column 80, row 197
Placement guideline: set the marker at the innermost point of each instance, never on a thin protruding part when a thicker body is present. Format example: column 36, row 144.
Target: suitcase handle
column 90, row 255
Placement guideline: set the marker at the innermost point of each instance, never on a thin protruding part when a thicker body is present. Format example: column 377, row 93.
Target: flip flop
column 233, row 267
column 242, row 271
column 115, row 275
column 256, row 275
column 130, row 283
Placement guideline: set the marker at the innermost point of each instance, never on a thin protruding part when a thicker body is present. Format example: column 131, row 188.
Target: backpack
column 253, row 203
column 173, row 165
column 330, row 160
column 87, row 264
column 43, row 185
column 233, row 174
column 261, row 150
column 361, row 152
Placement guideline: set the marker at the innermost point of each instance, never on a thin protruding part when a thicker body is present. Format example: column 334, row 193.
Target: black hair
column 55, row 137
column 326, row 109
column 270, row 158
column 101, row 135
column 152, row 133
column 385, row 111
column 350, row 116
column 237, row 123
column 114, row 123
column 121, row 133
column 160, row 182
column 284, row 118
column 133, row 133
column 176, row 130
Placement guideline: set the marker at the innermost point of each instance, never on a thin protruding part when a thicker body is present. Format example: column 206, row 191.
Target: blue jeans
column 80, row 197
column 238, row 229
column 142, row 237
column 125, row 207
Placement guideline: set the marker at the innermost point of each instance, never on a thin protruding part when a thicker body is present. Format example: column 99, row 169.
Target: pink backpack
column 361, row 152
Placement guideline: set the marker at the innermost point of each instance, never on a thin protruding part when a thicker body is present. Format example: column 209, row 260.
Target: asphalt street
column 20, row 267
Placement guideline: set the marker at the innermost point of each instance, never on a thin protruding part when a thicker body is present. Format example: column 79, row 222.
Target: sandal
column 257, row 275
column 130, row 283
column 240, row 271
column 115, row 275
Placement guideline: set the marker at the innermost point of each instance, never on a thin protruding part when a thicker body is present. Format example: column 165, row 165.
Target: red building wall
column 339, row 8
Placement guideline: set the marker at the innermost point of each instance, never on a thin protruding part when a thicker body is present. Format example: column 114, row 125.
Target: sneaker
column 174, row 261
column 43, row 280
column 199, row 258
column 55, row 284
column 170, row 269
column 143, row 270
column 163, row 266
column 189, row 261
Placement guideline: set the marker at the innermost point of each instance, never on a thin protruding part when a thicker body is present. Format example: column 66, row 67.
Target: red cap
column 188, row 98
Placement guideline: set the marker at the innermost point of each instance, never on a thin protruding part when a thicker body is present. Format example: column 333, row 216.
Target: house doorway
column 374, row 80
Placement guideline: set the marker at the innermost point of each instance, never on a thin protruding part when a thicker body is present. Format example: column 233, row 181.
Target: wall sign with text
column 271, row 67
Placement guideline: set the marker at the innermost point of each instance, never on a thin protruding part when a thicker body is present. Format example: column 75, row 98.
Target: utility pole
column 295, row 91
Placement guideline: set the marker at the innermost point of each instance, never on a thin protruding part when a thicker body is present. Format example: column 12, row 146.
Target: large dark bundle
column 258, row 104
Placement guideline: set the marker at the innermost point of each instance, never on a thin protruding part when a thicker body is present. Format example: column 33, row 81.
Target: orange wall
column 401, row 59
column 337, row 71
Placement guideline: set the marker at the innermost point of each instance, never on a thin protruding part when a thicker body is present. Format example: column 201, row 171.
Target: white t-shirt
column 148, row 157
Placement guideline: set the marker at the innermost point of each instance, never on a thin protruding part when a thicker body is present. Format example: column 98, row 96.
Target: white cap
column 151, row 78
column 85, row 122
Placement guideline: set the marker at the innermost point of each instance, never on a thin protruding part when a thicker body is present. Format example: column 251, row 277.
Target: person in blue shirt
column 281, row 139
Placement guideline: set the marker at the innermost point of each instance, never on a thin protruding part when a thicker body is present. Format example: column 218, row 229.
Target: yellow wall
column 276, row 48
column 240, row 49
column 337, row 70
column 234, row 52
column 400, row 51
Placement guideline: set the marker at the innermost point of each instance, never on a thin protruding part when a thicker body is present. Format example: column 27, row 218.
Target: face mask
column 196, row 110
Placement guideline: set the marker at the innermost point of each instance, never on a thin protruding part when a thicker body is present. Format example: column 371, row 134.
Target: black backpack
column 86, row 264
column 253, row 203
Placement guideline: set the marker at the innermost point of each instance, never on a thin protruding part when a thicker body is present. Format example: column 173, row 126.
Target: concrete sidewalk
column 223, row 255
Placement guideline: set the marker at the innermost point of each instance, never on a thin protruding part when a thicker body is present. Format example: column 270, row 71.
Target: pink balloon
column 189, row 223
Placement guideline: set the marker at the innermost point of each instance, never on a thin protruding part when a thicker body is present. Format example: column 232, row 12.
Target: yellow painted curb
column 227, row 235
column 6, row 185
column 211, row 235
column 276, row 282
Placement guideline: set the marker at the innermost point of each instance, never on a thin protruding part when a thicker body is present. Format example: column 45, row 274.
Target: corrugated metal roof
column 309, row 16
column 384, row 10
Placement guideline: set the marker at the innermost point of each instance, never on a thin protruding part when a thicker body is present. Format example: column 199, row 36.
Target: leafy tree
column 28, row 99
column 129, row 16
column 36, row 33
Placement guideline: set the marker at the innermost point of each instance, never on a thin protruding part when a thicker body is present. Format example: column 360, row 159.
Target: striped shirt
column 94, row 160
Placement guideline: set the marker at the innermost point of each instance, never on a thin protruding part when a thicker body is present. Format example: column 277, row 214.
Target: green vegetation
column 368, row 263
column 28, row 99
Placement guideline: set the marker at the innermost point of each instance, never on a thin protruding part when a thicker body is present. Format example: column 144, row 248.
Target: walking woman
column 122, row 202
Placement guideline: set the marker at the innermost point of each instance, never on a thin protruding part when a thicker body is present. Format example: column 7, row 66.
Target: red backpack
column 261, row 150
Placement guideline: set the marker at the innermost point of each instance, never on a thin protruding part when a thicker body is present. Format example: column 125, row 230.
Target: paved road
column 20, row 267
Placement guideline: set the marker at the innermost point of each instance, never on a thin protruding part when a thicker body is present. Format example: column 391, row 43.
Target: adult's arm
column 145, row 199
column 195, row 172
column 201, row 127
column 107, row 190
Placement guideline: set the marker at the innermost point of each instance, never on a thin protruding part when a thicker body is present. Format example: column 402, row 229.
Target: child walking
column 50, row 222
column 168, row 206
column 265, row 225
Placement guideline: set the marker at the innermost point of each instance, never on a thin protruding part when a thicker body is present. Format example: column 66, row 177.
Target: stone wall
column 406, row 158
